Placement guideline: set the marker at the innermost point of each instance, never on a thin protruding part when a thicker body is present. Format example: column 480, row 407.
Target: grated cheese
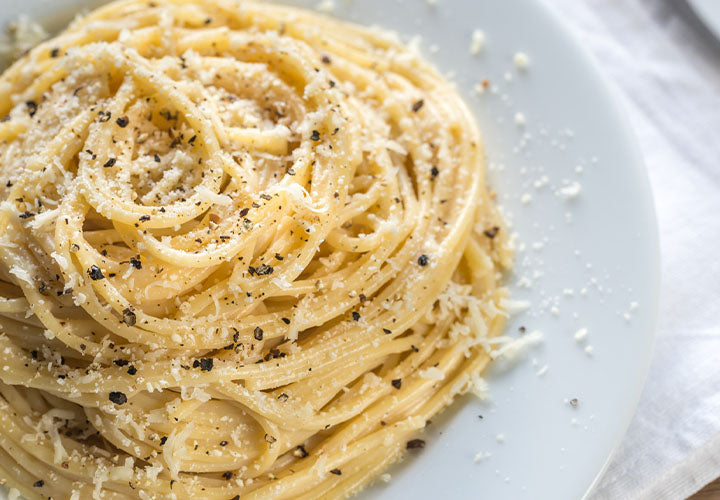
column 432, row 373
column 21, row 274
column 479, row 386
column 511, row 350
column 571, row 191
column 521, row 60
column 581, row 335
column 326, row 6
column 477, row 42
column 514, row 307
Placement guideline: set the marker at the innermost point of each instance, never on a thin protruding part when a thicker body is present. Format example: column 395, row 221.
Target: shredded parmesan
column 431, row 373
column 477, row 42
column 511, row 350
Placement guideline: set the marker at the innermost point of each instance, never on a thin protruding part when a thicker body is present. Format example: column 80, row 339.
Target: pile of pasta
column 246, row 251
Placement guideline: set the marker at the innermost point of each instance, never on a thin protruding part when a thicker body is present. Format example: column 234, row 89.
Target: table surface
column 709, row 492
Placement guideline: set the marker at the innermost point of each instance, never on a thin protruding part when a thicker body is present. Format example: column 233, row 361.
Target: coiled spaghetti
column 246, row 251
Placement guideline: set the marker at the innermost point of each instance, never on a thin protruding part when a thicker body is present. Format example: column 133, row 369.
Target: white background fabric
column 666, row 67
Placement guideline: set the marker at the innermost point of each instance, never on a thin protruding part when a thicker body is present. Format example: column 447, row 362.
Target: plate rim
column 621, row 114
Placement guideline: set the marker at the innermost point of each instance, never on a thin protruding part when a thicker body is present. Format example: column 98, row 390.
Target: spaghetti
column 246, row 251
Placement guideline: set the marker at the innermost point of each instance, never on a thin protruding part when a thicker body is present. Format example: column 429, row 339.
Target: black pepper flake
column 129, row 317
column 223, row 443
column 337, row 472
column 574, row 402
column 132, row 370
column 355, row 316
column 417, row 106
column 264, row 270
column 522, row 329
column 387, row 332
column 227, row 475
column 54, row 52
column 192, row 139
column 492, row 232
column 144, row 218
column 31, row 107
column 135, row 262
column 258, row 333
column 205, row 364
column 111, row 162
column 236, row 497
column 283, row 397
column 39, row 484
column 300, row 451
column 95, row 273
column 326, row 59
column 315, row 136
column 423, row 260
column 157, row 158
column 434, row 172
column 163, row 440
column 208, row 21
column 397, row 383
column 285, row 320
column 26, row 215
column 122, row 121
column 270, row 439
column 165, row 113
column 266, row 197
column 104, row 116
column 291, row 171
column 118, row 398
column 34, row 354
column 415, row 444
column 244, row 212
column 121, row 362
column 278, row 256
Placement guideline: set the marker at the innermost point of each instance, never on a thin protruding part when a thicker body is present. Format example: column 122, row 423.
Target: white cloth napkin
column 666, row 68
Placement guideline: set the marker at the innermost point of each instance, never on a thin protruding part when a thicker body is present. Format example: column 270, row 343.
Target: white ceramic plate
column 590, row 262
column 709, row 12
